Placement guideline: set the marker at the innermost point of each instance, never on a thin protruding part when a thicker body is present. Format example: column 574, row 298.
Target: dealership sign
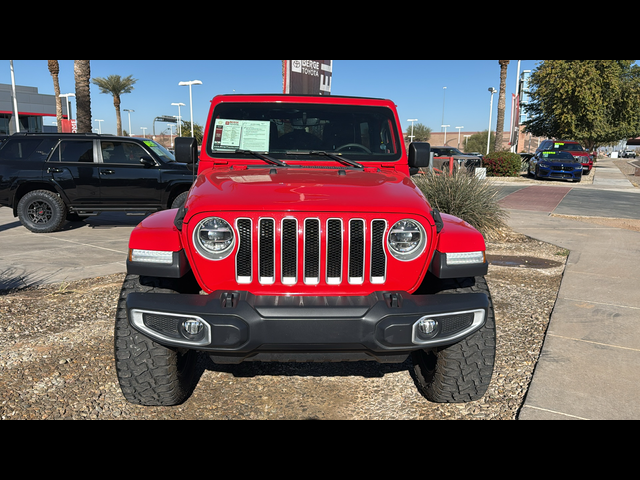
column 308, row 77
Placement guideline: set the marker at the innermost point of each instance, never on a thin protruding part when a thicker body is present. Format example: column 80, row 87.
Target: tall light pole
column 67, row 95
column 444, row 91
column 190, row 83
column 411, row 120
column 492, row 90
column 445, row 132
column 15, row 100
column 99, row 125
column 128, row 110
column 179, row 118
column 144, row 131
column 459, row 136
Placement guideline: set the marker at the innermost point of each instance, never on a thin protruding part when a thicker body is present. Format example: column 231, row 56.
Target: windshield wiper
column 266, row 158
column 335, row 157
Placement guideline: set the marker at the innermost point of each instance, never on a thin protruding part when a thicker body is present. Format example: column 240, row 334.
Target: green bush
column 503, row 164
column 465, row 196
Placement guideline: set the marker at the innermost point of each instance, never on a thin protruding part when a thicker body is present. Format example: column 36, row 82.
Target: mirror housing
column 186, row 150
column 419, row 154
column 147, row 162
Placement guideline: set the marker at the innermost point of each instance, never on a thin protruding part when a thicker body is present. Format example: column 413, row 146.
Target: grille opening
column 323, row 247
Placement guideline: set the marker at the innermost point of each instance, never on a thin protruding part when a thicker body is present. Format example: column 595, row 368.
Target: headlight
column 214, row 238
column 406, row 240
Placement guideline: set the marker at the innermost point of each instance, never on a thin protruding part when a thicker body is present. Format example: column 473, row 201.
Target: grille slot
column 356, row 250
column 312, row 251
column 323, row 247
column 267, row 250
column 243, row 257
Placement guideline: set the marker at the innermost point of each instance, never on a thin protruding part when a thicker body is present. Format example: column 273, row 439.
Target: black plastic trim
column 179, row 267
column 440, row 268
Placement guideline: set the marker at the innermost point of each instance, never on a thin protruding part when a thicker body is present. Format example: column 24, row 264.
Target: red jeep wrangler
column 303, row 238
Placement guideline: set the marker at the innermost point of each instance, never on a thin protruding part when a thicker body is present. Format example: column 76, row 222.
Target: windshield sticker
column 241, row 134
column 556, row 145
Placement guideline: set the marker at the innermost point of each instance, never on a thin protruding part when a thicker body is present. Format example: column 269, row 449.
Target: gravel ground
column 57, row 358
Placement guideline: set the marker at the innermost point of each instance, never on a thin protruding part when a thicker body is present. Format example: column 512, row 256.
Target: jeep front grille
column 310, row 251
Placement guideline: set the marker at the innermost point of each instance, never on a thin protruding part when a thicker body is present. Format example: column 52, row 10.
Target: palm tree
column 82, row 74
column 54, row 70
column 116, row 86
column 501, row 103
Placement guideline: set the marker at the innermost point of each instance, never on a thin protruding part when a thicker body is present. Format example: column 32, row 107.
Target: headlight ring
column 214, row 238
column 407, row 239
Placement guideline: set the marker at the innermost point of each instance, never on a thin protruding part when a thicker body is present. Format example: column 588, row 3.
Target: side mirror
column 186, row 149
column 419, row 154
column 147, row 162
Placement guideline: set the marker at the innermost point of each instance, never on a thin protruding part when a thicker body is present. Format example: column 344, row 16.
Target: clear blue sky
column 416, row 86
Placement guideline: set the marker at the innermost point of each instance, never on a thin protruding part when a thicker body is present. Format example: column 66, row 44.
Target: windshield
column 576, row 147
column 445, row 152
column 282, row 130
column 159, row 150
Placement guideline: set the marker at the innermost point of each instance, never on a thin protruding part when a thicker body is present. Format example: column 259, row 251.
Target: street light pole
column 128, row 110
column 99, row 125
column 411, row 120
column 179, row 118
column 190, row 83
column 445, row 133
column 444, row 92
column 144, row 131
column 459, row 136
column 15, row 100
column 492, row 90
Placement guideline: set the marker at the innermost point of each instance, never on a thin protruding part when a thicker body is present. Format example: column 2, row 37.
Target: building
column 36, row 111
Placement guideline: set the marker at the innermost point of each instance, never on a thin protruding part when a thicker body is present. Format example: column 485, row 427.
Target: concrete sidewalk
column 590, row 359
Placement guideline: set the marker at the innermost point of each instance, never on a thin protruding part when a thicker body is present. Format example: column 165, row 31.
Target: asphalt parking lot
column 91, row 248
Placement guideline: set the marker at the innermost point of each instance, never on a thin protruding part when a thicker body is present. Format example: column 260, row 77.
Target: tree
column 594, row 102
column 54, row 70
column 421, row 133
column 478, row 143
column 82, row 74
column 501, row 102
column 198, row 131
column 116, row 86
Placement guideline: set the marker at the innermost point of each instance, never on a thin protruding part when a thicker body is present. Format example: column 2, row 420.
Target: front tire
column 41, row 211
column 460, row 372
column 149, row 373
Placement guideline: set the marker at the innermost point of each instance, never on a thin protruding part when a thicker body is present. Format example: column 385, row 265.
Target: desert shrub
column 503, row 164
column 465, row 196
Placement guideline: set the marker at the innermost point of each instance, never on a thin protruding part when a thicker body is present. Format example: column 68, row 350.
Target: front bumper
column 556, row 171
column 236, row 326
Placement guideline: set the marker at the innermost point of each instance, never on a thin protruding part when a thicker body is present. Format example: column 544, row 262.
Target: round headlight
column 407, row 239
column 214, row 238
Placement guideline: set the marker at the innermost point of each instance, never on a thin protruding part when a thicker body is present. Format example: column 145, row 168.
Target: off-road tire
column 179, row 200
column 460, row 372
column 149, row 373
column 41, row 211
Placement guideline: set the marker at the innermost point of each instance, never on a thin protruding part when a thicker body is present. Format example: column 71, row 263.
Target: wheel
column 41, row 211
column 460, row 372
column 179, row 200
column 149, row 373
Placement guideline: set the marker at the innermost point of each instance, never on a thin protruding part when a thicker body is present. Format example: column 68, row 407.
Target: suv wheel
column 460, row 372
column 41, row 211
column 149, row 373
column 179, row 200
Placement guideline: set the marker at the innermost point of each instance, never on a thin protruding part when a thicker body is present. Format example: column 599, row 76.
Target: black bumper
column 240, row 326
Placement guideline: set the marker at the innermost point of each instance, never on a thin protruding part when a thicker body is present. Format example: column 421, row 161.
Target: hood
column 305, row 189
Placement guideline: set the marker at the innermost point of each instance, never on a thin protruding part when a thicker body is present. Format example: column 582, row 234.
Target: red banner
column 308, row 77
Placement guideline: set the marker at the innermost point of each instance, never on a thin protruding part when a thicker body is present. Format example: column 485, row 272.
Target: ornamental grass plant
column 468, row 197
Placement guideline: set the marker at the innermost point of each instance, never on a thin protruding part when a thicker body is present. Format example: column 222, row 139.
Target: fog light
column 192, row 326
column 427, row 325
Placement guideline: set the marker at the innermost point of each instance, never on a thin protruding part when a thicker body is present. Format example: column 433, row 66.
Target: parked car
column 462, row 159
column 574, row 148
column 287, row 252
column 555, row 164
column 49, row 178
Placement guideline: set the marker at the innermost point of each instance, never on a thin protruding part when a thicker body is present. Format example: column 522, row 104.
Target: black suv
column 50, row 178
